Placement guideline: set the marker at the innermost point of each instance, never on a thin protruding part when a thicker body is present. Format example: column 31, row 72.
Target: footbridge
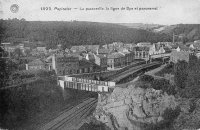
column 162, row 56
column 129, row 74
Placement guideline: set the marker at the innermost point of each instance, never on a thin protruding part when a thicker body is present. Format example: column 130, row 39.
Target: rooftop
column 101, row 56
column 85, row 63
column 36, row 62
column 115, row 55
column 104, row 51
column 141, row 48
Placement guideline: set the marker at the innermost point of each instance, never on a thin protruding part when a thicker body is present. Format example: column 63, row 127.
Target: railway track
column 71, row 116
column 57, row 113
column 38, row 124
column 78, row 118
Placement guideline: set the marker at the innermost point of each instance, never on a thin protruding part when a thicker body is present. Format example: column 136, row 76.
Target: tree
column 192, row 89
column 181, row 73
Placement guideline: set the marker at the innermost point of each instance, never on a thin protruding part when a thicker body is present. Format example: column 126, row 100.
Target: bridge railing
column 89, row 81
column 85, row 84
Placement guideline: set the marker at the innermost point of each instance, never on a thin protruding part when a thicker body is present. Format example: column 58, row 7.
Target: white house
column 156, row 49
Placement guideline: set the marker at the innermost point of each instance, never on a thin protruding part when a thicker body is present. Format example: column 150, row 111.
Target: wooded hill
column 80, row 33
column 189, row 32
column 74, row 33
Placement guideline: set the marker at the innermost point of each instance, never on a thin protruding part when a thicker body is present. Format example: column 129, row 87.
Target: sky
column 164, row 12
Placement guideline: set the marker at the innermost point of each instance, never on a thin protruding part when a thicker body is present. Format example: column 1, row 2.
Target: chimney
column 54, row 63
column 26, row 66
column 98, row 51
column 87, row 56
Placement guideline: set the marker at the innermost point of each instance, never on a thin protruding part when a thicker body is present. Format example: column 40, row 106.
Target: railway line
column 57, row 113
column 71, row 116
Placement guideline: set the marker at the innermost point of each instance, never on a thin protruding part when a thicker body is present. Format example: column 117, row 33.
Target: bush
column 146, row 78
column 170, row 115
column 164, row 85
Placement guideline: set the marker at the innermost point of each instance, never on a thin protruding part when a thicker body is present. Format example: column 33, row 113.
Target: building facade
column 66, row 65
column 70, row 64
column 141, row 52
column 36, row 65
column 101, row 61
column 115, row 60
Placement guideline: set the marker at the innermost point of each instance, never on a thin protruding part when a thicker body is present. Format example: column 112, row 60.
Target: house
column 198, row 55
column 115, row 60
column 166, row 44
column 195, row 46
column 156, row 48
column 36, row 64
column 6, row 46
column 144, row 44
column 129, row 46
column 78, row 48
column 59, row 47
column 72, row 64
column 167, row 50
column 101, row 61
column 118, row 45
column 89, row 56
column 86, row 66
column 92, row 48
column 129, row 56
column 66, row 64
column 41, row 49
column 67, row 50
column 77, row 54
column 141, row 52
column 103, row 51
column 182, row 48
column 114, row 46
column 11, row 48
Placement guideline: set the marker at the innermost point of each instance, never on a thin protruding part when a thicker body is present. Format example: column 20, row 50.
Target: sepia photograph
column 100, row 65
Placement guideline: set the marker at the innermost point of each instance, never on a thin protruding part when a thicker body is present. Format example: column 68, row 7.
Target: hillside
column 74, row 33
column 141, row 26
column 189, row 32
column 78, row 32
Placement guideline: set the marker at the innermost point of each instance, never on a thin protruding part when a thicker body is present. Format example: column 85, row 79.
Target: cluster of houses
column 96, row 58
